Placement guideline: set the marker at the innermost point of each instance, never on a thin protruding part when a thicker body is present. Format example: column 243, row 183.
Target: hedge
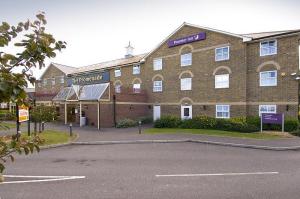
column 239, row 124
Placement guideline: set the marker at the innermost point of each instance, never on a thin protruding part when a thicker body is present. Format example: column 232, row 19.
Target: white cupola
column 129, row 51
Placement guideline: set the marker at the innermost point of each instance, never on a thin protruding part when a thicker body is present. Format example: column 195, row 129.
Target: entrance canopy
column 82, row 93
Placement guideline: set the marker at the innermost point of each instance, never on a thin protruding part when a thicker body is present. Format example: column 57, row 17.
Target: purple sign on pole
column 186, row 40
column 271, row 118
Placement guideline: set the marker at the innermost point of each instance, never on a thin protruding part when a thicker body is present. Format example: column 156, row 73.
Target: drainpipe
column 114, row 110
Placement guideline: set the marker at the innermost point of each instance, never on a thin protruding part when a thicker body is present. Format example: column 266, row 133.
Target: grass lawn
column 210, row 132
column 53, row 137
column 6, row 124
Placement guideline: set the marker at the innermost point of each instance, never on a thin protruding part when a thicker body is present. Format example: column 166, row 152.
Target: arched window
column 222, row 74
column 186, row 80
column 157, row 83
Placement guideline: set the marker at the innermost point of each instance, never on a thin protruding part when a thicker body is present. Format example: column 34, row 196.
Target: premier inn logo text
column 87, row 79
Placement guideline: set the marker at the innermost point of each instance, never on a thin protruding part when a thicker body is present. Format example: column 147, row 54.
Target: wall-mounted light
column 287, row 107
column 204, row 107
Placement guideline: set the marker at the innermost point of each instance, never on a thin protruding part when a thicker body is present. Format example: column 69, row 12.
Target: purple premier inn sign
column 185, row 40
column 272, row 118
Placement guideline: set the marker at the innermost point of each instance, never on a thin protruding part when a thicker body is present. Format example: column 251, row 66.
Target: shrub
column 146, row 120
column 167, row 122
column 199, row 122
column 125, row 123
column 290, row 124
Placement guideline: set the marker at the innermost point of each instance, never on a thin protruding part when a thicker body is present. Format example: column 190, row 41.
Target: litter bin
column 82, row 121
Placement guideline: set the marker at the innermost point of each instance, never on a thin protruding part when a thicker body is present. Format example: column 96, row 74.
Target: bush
column 199, row 122
column 125, row 123
column 146, row 120
column 167, row 122
column 7, row 116
column 290, row 124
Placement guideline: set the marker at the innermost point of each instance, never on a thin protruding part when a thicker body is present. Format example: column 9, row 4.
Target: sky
column 99, row 30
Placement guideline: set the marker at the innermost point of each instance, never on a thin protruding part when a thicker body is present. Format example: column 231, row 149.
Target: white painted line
column 22, row 176
column 48, row 178
column 218, row 174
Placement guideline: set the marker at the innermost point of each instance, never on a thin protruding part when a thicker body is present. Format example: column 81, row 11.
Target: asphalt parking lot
column 174, row 170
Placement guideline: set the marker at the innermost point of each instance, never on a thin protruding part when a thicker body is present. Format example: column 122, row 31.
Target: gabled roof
column 63, row 68
column 245, row 38
column 262, row 35
column 109, row 64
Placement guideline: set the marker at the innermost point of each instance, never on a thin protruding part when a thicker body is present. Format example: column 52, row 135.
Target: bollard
column 71, row 132
column 140, row 127
column 18, row 135
column 43, row 126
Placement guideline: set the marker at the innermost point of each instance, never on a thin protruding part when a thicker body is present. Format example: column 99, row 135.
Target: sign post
column 272, row 118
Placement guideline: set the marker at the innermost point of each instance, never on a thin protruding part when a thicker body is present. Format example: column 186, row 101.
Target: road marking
column 48, row 178
column 218, row 174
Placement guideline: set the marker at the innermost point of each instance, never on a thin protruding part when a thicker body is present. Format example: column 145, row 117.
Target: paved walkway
column 92, row 135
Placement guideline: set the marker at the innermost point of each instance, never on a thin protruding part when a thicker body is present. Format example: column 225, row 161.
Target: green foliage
column 34, row 48
column 125, row 123
column 290, row 124
column 239, row 124
column 146, row 120
column 43, row 113
column 168, row 121
column 13, row 144
column 7, row 116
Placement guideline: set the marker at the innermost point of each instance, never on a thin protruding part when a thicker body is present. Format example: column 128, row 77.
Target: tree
column 43, row 113
column 36, row 46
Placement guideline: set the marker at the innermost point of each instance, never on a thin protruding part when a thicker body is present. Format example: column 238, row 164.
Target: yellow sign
column 23, row 113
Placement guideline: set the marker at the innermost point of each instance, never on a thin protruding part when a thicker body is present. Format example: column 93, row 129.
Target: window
column 62, row 79
column 117, row 72
column 186, row 84
column 53, row 81
column 186, row 59
column 267, row 109
column 136, row 70
column 222, row 81
column 268, row 48
column 222, row 111
column 157, row 86
column 186, row 112
column 45, row 82
column 268, row 78
column 39, row 84
column 157, row 64
column 118, row 88
column 136, row 88
column 222, row 53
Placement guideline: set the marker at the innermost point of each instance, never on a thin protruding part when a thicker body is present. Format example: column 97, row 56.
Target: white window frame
column 136, row 90
column 157, row 88
column 45, row 81
column 190, row 112
column 260, row 78
column 186, row 59
column 61, row 79
column 53, row 81
column 118, row 88
column 186, row 87
column 269, row 53
column 267, row 107
column 118, row 72
column 222, row 105
column 221, row 84
column 223, row 58
column 136, row 69
column 157, row 64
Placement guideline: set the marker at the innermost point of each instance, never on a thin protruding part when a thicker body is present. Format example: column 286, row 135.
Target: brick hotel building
column 194, row 71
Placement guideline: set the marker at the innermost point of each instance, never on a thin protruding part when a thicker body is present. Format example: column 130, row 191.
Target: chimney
column 129, row 51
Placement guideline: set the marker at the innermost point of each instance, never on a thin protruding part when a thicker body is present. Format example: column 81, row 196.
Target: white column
column 98, row 108
column 9, row 107
column 80, row 113
column 66, row 114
